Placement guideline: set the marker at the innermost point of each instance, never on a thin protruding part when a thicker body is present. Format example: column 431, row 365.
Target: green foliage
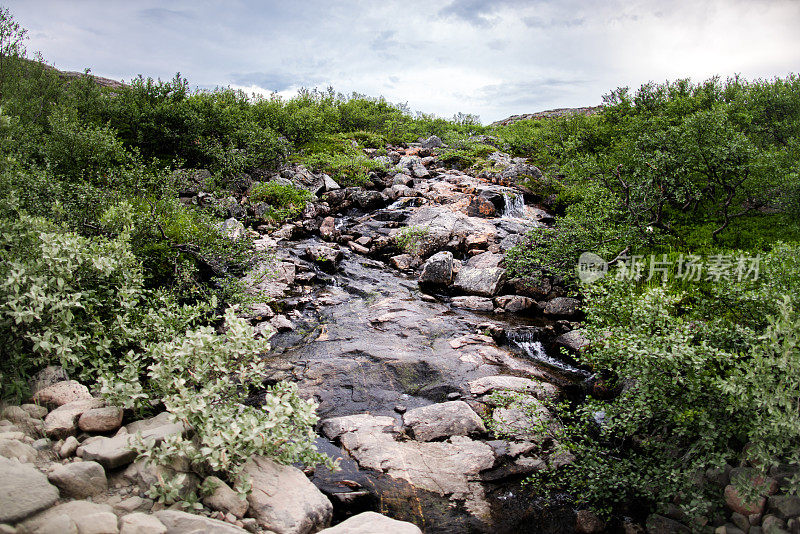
column 408, row 239
column 467, row 155
column 337, row 156
column 285, row 200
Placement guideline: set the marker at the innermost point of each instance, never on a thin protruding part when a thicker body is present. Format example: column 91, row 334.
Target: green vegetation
column 703, row 371
column 285, row 200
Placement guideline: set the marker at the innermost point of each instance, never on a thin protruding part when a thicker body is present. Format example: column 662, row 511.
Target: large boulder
column 372, row 523
column 283, row 500
column 63, row 421
column 101, row 419
column 83, row 517
column 116, row 452
column 24, row 491
column 326, row 257
column 79, row 479
column 62, row 393
column 454, row 418
column 483, row 282
column 522, row 419
column 573, row 340
column 224, row 499
column 432, row 142
column 185, row 523
column 562, row 306
column 490, row 384
column 438, row 270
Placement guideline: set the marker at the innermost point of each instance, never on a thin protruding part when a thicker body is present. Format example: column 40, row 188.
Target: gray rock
column 786, row 505
column 233, row 229
column 454, row 418
column 523, row 419
column 476, row 281
column 15, row 449
column 514, row 303
column 16, row 414
column 115, row 452
column 562, row 306
column 101, row 419
column 52, row 374
column 432, row 142
column 485, row 260
column 79, row 479
column 402, row 261
column 658, row 524
column 34, row 410
column 63, row 421
column 224, row 499
column 587, row 522
column 438, row 270
column 184, row 523
column 324, row 256
column 23, row 492
column 164, row 418
column 69, row 447
column 481, row 304
column 145, row 474
column 329, row 183
column 139, row 523
column 62, row 393
column 573, row 340
column 489, row 384
column 284, row 500
column 372, row 523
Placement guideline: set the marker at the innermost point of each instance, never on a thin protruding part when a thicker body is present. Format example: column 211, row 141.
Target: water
column 528, row 340
column 514, row 205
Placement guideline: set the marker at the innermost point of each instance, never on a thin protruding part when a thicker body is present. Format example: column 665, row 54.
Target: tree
column 12, row 37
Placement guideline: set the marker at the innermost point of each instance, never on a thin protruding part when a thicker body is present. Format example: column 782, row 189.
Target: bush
column 286, row 201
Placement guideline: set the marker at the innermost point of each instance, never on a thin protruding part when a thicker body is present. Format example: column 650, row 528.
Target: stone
column 483, row 282
column 326, row 257
column 438, row 270
column 16, row 414
column 372, row 523
column 740, row 521
column 69, row 447
column 786, row 505
column 52, row 374
column 485, row 260
column 562, row 306
column 284, row 500
column 327, row 230
column 105, row 419
column 521, row 419
column 480, row 207
column 329, row 183
column 145, row 474
column 139, row 523
column 133, row 504
column 514, row 303
column 453, row 418
column 658, row 524
column 23, row 492
column 432, row 142
column 63, row 421
column 573, row 340
column 480, row 304
column 773, row 525
column 35, row 410
column 281, row 323
column 368, row 200
column 587, row 522
column 79, row 479
column 233, row 229
column 488, row 384
column 736, row 504
column 62, row 393
column 15, row 449
column 402, row 262
column 224, row 499
column 184, row 523
column 115, row 452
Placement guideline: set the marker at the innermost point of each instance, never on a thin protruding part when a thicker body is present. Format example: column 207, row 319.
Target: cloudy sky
column 492, row 58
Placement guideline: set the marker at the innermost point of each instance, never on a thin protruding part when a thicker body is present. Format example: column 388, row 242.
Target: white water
column 514, row 205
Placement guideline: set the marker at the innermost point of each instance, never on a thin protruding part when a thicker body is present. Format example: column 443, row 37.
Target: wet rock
column 23, row 492
column 372, row 523
column 454, row 418
column 15, row 449
column 139, row 523
column 224, row 499
column 573, row 340
column 562, row 306
column 514, row 303
column 368, row 200
column 63, row 421
column 101, row 419
column 480, row 207
column 326, row 257
column 327, row 230
column 489, row 384
column 79, row 479
column 483, row 282
column 438, row 270
column 480, row 304
column 184, row 523
column 284, row 500
column 62, row 393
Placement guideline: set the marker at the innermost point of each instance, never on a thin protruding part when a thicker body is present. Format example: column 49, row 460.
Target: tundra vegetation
column 105, row 272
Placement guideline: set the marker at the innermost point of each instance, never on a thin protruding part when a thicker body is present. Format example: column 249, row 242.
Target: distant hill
column 549, row 114
column 99, row 80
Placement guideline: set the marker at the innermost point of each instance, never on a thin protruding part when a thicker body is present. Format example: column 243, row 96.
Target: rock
column 438, row 270
column 23, row 492
column 184, row 523
column 101, row 419
column 432, row 142
column 786, row 505
column 327, row 230
column 402, row 262
column 284, row 500
column 69, row 447
column 372, row 523
column 133, row 504
column 514, row 303
column 485, row 260
column 139, row 523
column 481, row 304
column 34, row 410
column 488, row 384
column 62, row 393
column 224, row 499
column 368, row 200
column 740, row 521
column 14, row 449
column 63, row 421
column 326, row 257
column 480, row 207
column 115, row 452
column 521, row 419
column 735, row 503
column 145, row 474
column 143, row 425
column 16, row 414
column 329, row 183
column 484, row 282
column 562, row 306
column 573, row 340
column 658, row 524
column 453, row 418
column 50, row 375
column 587, row 522
column 79, row 479
column 281, row 323
column 773, row 525
column 233, row 229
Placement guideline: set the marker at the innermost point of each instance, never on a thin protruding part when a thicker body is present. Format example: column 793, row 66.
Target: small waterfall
column 528, row 341
column 514, row 205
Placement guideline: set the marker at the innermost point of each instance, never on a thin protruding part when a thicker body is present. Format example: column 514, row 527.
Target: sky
column 489, row 58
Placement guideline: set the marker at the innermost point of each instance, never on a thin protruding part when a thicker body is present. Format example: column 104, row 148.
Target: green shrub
column 285, row 200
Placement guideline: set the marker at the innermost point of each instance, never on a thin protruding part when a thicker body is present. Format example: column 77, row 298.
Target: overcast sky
column 491, row 58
